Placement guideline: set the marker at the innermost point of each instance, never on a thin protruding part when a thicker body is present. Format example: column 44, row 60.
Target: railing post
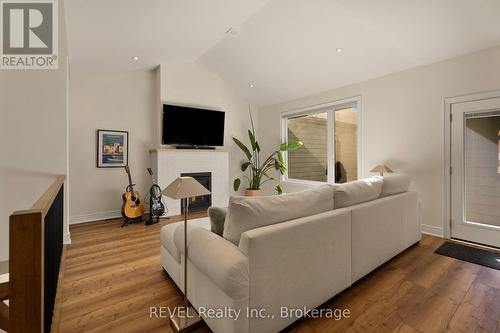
column 26, row 270
column 33, row 279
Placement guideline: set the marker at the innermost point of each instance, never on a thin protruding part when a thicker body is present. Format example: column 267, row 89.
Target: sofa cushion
column 358, row 191
column 246, row 213
column 217, row 217
column 167, row 235
column 395, row 183
column 217, row 258
column 167, row 240
column 381, row 229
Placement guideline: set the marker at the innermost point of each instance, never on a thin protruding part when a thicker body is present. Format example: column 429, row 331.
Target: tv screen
column 186, row 126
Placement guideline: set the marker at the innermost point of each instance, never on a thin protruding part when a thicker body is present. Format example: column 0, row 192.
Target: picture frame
column 112, row 149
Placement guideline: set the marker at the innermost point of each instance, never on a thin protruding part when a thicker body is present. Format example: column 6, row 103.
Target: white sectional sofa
column 291, row 251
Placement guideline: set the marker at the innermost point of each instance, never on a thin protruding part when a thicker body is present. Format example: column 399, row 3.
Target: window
column 346, row 145
column 330, row 134
column 310, row 161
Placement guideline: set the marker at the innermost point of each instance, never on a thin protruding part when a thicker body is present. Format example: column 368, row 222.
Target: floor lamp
column 184, row 188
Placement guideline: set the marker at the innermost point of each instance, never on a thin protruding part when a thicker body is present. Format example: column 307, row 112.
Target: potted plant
column 257, row 171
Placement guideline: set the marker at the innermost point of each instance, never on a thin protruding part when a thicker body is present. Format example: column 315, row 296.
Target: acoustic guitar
column 133, row 207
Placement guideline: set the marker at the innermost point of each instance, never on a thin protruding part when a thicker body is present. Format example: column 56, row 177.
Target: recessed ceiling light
column 251, row 85
column 339, row 50
column 135, row 58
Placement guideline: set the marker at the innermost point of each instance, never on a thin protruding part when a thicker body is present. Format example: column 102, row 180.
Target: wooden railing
column 4, row 309
column 35, row 247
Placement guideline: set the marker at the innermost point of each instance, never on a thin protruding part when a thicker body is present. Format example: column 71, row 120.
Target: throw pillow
column 395, row 183
column 246, row 213
column 217, row 217
column 358, row 191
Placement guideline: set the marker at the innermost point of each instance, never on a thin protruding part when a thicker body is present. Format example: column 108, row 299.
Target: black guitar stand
column 126, row 221
column 153, row 220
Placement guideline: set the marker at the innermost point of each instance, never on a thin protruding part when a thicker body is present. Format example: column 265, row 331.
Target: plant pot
column 252, row 193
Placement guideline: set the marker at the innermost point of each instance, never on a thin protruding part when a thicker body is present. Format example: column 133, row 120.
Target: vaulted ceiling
column 104, row 35
column 285, row 48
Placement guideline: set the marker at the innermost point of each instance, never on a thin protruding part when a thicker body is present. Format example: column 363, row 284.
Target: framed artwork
column 112, row 149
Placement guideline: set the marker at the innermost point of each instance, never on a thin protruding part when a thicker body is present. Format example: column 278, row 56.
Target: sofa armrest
column 220, row 260
column 297, row 263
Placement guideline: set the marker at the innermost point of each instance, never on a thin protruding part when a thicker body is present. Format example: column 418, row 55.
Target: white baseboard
column 114, row 214
column 432, row 230
column 67, row 238
column 94, row 217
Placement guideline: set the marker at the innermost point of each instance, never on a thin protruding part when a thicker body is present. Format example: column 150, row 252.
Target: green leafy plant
column 257, row 171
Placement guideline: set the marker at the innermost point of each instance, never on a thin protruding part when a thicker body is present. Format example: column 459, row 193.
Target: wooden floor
column 112, row 276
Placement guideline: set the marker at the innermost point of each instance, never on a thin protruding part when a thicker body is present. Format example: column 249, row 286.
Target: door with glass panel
column 475, row 171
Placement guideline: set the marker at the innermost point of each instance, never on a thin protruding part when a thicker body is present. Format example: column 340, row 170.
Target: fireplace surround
column 169, row 163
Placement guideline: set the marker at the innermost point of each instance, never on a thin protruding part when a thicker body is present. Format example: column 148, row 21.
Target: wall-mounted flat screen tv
column 192, row 127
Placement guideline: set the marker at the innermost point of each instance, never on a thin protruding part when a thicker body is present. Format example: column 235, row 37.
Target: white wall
column 403, row 120
column 194, row 85
column 132, row 102
column 33, row 135
column 117, row 102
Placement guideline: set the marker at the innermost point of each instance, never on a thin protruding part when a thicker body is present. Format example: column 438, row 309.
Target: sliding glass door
column 309, row 162
column 345, row 141
column 331, row 143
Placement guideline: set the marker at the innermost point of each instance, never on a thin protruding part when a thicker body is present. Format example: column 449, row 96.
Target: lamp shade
column 185, row 187
column 382, row 168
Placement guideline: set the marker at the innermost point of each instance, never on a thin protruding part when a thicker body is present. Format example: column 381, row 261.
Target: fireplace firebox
column 200, row 203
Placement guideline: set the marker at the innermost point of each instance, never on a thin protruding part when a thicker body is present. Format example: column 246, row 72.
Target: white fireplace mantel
column 169, row 163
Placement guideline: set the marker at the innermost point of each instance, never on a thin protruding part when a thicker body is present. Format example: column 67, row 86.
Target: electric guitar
column 156, row 206
column 132, row 207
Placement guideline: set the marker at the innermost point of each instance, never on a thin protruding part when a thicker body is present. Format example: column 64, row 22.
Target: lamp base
column 185, row 321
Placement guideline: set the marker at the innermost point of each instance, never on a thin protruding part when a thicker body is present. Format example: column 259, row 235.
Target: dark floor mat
column 470, row 254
